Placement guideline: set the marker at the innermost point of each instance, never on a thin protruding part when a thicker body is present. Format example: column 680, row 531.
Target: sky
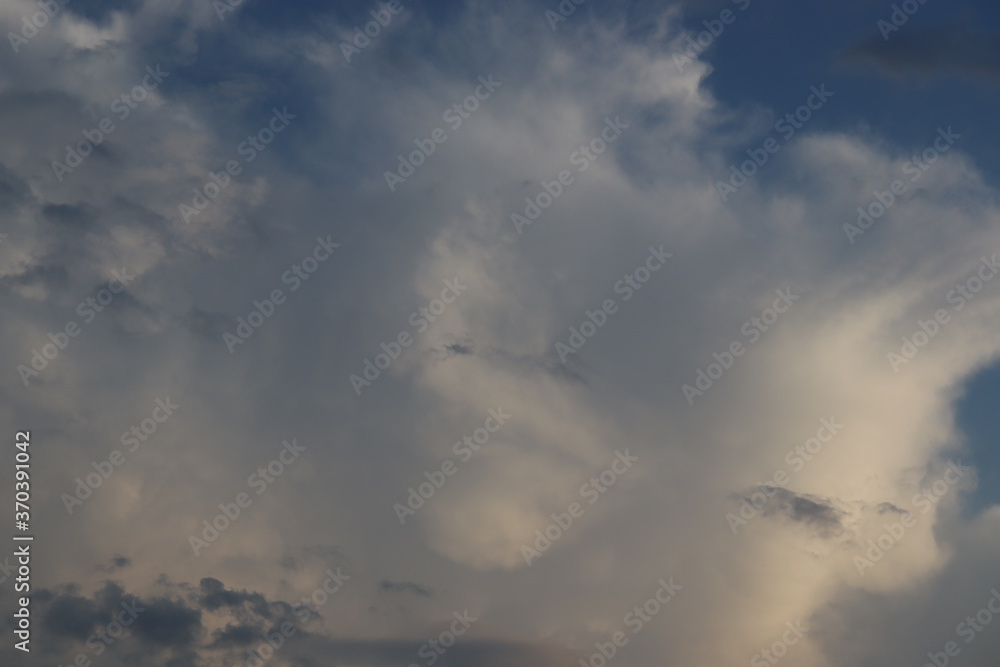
column 480, row 333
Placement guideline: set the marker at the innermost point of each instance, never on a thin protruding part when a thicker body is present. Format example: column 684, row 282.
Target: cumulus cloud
column 527, row 289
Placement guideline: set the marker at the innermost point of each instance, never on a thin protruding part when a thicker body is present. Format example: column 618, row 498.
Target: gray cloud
column 931, row 51
column 405, row 587
column 118, row 562
column 818, row 513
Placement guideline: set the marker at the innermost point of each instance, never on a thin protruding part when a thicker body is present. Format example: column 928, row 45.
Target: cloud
column 73, row 616
column 116, row 563
column 494, row 347
column 236, row 636
column 813, row 511
column 166, row 630
column 932, row 51
column 168, row 623
column 215, row 596
column 405, row 587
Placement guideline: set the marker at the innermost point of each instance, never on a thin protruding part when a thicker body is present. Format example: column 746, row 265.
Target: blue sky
column 977, row 416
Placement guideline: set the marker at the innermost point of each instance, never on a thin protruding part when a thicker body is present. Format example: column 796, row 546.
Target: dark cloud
column 931, row 51
column 72, row 616
column 405, row 587
column 168, row 622
column 172, row 631
column 159, row 622
column 889, row 507
column 215, row 596
column 80, row 215
column 810, row 510
column 116, row 563
column 549, row 363
column 14, row 191
column 51, row 276
column 236, row 635
column 562, row 371
column 100, row 11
